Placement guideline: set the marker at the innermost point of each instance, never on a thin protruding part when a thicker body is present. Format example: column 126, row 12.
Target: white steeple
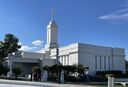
column 52, row 33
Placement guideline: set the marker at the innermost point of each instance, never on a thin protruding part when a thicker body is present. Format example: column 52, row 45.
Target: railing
column 122, row 81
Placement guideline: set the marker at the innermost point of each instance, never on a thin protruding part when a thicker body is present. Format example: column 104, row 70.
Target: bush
column 36, row 73
column 53, row 78
column 103, row 74
column 4, row 69
column 68, row 71
column 98, row 79
column 125, row 75
column 17, row 71
column 45, row 68
column 69, row 78
column 36, row 69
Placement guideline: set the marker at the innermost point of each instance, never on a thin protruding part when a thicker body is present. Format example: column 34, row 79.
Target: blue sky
column 99, row 22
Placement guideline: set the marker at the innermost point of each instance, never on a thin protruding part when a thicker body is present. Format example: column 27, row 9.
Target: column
column 63, row 60
column 95, row 63
column 107, row 64
column 66, row 59
column 98, row 63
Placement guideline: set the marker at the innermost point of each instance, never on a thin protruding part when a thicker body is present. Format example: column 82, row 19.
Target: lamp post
column 57, row 57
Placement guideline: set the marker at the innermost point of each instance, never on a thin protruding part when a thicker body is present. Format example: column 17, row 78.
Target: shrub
column 46, row 68
column 17, row 71
column 36, row 69
column 116, row 73
column 98, row 79
column 69, row 71
column 4, row 69
column 36, row 73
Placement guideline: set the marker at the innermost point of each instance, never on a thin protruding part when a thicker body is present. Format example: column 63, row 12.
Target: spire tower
column 52, row 15
column 52, row 33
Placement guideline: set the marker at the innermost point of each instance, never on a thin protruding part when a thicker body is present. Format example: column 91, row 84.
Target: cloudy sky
column 99, row 22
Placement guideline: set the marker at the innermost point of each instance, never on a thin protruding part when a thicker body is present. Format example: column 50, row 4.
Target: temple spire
column 52, row 14
column 52, row 33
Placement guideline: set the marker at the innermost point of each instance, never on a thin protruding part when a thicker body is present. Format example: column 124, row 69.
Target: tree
column 3, row 54
column 4, row 69
column 8, row 46
column 17, row 70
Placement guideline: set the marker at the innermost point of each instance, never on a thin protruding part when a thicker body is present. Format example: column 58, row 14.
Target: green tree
column 8, row 46
column 17, row 70
column 36, row 69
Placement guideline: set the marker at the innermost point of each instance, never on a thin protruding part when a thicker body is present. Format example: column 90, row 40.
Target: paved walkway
column 15, row 83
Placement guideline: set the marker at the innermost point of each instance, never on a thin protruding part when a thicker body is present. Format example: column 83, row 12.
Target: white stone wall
column 68, row 55
column 73, row 59
column 119, row 59
column 87, row 60
column 99, row 58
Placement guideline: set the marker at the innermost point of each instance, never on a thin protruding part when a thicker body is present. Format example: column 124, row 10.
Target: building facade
column 97, row 58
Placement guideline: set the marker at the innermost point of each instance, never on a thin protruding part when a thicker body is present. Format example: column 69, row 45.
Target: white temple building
column 97, row 58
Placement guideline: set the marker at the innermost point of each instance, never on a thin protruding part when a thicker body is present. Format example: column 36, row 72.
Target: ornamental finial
column 52, row 14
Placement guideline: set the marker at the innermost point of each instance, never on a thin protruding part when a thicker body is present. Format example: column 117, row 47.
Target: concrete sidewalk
column 16, row 83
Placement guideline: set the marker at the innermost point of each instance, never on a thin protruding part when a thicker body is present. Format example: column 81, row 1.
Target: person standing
column 62, row 76
column 86, row 75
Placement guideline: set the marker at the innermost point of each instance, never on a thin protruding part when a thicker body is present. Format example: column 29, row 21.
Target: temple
column 97, row 58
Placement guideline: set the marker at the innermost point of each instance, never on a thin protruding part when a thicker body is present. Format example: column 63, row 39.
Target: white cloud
column 118, row 16
column 37, row 43
column 20, row 43
column 27, row 48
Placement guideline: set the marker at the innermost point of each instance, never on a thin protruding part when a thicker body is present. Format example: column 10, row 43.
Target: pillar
column 110, row 81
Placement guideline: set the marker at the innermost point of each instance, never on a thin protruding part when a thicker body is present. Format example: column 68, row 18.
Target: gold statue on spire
column 52, row 14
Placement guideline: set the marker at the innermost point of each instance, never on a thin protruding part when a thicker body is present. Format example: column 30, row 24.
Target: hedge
column 116, row 73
